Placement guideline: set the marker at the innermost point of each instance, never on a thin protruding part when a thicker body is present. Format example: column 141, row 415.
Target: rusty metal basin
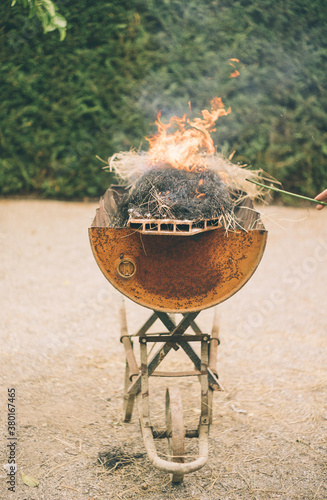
column 177, row 274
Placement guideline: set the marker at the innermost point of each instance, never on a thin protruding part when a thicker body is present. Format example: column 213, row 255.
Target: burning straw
column 181, row 176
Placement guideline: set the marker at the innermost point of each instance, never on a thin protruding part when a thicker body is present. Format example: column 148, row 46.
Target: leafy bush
column 95, row 93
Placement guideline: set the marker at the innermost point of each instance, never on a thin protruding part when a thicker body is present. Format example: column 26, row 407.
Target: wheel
column 175, row 430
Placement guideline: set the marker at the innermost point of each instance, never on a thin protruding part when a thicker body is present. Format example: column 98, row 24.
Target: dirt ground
column 61, row 353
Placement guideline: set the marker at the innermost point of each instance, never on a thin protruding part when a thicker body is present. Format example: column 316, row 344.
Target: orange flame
column 235, row 73
column 180, row 148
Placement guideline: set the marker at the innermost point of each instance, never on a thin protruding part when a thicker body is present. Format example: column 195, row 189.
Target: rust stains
column 184, row 273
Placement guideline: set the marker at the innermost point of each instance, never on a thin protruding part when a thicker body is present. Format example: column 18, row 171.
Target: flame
column 180, row 148
column 235, row 73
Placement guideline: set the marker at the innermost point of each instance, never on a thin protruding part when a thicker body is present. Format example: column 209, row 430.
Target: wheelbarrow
column 175, row 267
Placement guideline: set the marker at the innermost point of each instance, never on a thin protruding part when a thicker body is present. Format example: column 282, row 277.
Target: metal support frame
column 188, row 320
column 137, row 385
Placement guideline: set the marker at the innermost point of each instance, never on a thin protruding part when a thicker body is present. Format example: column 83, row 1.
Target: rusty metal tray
column 179, row 274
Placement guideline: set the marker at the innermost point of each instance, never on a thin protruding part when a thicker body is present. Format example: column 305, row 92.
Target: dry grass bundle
column 130, row 165
column 169, row 193
column 211, row 189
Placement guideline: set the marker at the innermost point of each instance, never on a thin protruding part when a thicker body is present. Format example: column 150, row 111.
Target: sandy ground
column 61, row 353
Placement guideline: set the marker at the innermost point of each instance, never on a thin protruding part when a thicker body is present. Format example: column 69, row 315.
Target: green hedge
column 98, row 91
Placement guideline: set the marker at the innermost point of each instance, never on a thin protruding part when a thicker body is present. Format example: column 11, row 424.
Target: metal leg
column 215, row 341
column 204, row 419
column 210, row 402
column 131, row 370
column 213, row 350
column 128, row 398
column 144, row 383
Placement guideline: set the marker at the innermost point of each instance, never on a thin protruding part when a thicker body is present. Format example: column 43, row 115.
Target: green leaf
column 62, row 32
column 45, row 11
column 48, row 5
column 59, row 21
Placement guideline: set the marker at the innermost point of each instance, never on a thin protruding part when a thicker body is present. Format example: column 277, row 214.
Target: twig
column 273, row 188
column 62, row 465
column 317, row 491
column 64, row 442
column 69, row 488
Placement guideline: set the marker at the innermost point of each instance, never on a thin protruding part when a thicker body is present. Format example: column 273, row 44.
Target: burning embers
column 171, row 194
column 181, row 184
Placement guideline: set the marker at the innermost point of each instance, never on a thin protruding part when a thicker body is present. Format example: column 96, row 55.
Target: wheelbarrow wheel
column 175, row 430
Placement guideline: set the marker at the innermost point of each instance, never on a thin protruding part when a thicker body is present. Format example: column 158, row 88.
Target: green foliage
column 63, row 104
column 122, row 61
column 45, row 11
